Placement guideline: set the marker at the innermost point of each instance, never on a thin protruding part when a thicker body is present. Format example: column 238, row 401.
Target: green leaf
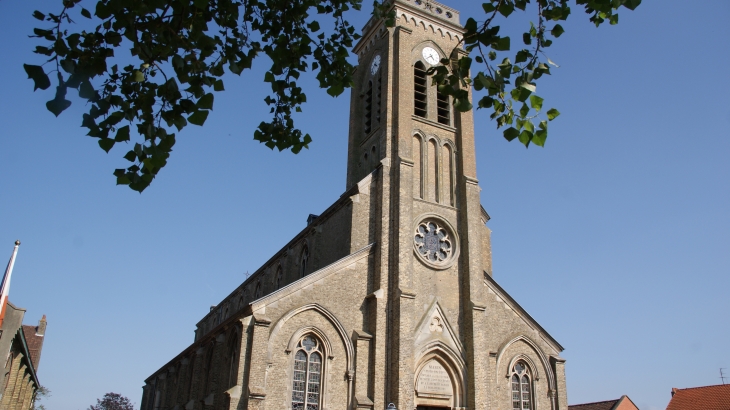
column 536, row 102
column 138, row 76
column 122, row 134
column 198, row 117
column 85, row 13
column 614, row 19
column 462, row 104
column 525, row 137
column 502, row 44
column 524, row 110
column 527, row 39
column 38, row 15
column 206, row 102
column 39, row 77
column 506, row 8
column 86, row 90
column 552, row 114
column 488, row 7
column 539, row 138
column 106, row 144
column 557, row 30
column 218, row 85
column 510, row 133
column 528, row 86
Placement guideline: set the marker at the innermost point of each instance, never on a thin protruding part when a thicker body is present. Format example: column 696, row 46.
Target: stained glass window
column 521, row 390
column 307, row 375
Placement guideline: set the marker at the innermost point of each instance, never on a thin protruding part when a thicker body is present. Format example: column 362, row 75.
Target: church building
column 386, row 297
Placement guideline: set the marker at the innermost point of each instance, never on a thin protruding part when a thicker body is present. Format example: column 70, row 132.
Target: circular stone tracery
column 433, row 242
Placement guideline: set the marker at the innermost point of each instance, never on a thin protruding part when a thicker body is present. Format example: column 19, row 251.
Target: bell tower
column 429, row 227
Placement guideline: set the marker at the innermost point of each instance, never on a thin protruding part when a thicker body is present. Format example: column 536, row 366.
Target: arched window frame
column 521, row 386
column 308, row 369
column 279, row 278
column 233, row 358
column 303, row 261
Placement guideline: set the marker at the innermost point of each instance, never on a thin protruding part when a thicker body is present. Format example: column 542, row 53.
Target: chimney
column 41, row 329
column 674, row 390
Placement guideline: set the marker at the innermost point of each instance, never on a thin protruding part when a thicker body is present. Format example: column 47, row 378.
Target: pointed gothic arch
column 437, row 361
column 544, row 361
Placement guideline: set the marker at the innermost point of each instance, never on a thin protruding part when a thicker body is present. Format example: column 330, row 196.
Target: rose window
column 433, row 242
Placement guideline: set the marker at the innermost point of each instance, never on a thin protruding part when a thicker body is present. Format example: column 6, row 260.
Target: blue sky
column 614, row 236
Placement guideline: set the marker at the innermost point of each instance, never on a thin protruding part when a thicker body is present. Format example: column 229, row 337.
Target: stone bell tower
column 430, row 226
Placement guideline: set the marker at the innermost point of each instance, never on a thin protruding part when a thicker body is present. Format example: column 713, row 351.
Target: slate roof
column 701, row 398
column 35, row 344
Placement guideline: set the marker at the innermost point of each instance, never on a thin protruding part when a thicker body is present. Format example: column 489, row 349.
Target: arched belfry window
column 307, row 376
column 378, row 94
column 369, row 108
column 303, row 262
column 521, row 387
column 420, row 98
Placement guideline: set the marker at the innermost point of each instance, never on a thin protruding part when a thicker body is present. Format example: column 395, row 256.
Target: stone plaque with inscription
column 434, row 380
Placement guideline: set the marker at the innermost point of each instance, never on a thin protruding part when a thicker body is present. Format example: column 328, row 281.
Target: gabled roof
column 701, row 398
column 622, row 403
column 35, row 344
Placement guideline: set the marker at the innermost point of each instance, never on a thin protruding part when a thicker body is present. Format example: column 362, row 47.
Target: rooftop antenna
column 722, row 376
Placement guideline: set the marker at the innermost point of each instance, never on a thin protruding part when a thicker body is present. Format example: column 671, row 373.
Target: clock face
column 375, row 65
column 430, row 55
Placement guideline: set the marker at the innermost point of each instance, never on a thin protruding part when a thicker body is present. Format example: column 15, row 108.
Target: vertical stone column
column 259, row 363
column 27, row 395
column 20, row 391
column 196, row 388
column 406, row 366
column 362, row 363
column 242, row 376
column 560, row 398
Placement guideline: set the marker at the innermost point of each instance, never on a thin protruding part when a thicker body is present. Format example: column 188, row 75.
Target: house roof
column 622, row 403
column 35, row 344
column 701, row 398
column 599, row 405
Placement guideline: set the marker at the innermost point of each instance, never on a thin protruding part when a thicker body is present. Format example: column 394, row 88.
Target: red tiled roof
column 35, row 344
column 599, row 405
column 701, row 398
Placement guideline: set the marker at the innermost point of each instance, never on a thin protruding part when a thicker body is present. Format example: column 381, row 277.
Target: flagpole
column 5, row 290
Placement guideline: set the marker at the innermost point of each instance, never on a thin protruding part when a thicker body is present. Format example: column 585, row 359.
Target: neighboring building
column 388, row 295
column 23, row 344
column 623, row 403
column 701, row 398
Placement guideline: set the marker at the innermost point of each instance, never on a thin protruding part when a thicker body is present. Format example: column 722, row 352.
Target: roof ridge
column 702, row 387
column 595, row 402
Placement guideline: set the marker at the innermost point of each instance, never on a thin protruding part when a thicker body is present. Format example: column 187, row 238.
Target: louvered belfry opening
column 442, row 105
column 378, row 93
column 369, row 107
column 419, row 90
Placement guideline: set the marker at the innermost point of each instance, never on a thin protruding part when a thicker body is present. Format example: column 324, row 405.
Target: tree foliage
column 112, row 401
column 180, row 50
column 40, row 394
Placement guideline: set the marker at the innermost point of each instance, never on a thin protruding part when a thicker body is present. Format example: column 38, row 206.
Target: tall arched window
column 303, row 262
column 279, row 278
column 420, row 105
column 521, row 390
column 233, row 360
column 258, row 292
column 307, row 375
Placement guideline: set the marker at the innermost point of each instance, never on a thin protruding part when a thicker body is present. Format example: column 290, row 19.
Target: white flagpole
column 5, row 291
